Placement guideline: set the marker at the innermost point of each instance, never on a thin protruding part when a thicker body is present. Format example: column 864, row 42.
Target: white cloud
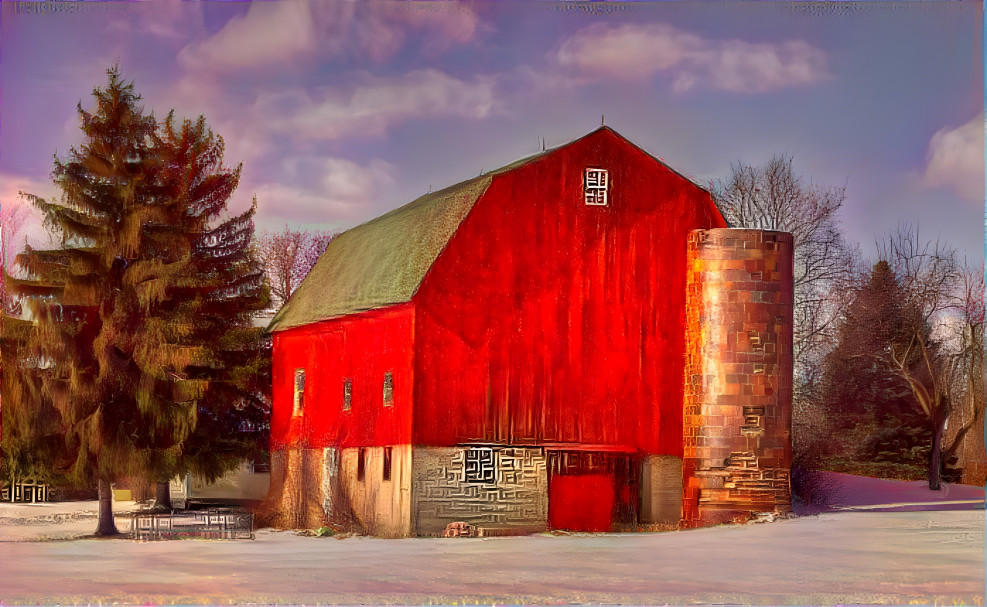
column 956, row 159
column 347, row 181
column 630, row 52
column 639, row 52
column 443, row 23
column 375, row 105
column 540, row 80
column 334, row 191
column 756, row 68
column 275, row 33
column 269, row 33
column 168, row 19
column 275, row 36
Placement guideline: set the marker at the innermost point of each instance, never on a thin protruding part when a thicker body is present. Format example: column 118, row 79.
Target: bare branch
column 288, row 256
column 774, row 197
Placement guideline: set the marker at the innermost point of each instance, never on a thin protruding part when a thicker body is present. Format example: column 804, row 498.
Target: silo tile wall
column 738, row 381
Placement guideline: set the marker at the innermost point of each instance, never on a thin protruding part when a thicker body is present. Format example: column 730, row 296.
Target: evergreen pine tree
column 214, row 356
column 140, row 335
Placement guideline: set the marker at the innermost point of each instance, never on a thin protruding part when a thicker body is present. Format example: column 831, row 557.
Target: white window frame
column 388, row 395
column 596, row 185
column 298, row 390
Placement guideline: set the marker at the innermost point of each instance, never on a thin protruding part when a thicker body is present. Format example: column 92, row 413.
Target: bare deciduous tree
column 774, row 197
column 288, row 256
column 940, row 354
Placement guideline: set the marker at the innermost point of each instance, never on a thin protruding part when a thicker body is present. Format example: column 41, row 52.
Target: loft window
column 299, row 400
column 389, row 389
column 347, row 394
column 479, row 466
column 361, row 464
column 595, row 187
column 387, row 463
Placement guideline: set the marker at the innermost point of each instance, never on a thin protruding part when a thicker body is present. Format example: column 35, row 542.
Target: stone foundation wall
column 738, row 384
column 661, row 489
column 490, row 487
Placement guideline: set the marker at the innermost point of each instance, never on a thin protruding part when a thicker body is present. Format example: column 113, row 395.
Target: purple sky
column 341, row 111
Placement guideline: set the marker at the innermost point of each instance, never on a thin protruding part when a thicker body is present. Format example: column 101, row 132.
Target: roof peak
column 381, row 262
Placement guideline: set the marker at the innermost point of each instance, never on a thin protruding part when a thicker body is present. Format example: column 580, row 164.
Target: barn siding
column 549, row 321
column 302, row 489
column 362, row 347
column 382, row 507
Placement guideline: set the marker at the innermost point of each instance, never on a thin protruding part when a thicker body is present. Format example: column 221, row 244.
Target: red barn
column 511, row 352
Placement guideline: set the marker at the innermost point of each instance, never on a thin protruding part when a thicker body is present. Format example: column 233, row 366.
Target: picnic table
column 25, row 491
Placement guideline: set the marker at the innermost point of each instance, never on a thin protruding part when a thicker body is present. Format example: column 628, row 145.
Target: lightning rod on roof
column 603, row 120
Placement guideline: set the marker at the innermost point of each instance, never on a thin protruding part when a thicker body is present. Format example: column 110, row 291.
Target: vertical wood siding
column 546, row 320
column 362, row 347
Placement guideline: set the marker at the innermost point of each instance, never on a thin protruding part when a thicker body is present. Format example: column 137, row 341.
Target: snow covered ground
column 889, row 542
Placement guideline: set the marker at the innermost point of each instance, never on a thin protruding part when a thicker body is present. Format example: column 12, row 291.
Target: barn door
column 581, row 502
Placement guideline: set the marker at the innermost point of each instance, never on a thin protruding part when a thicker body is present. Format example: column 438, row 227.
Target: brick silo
column 738, row 379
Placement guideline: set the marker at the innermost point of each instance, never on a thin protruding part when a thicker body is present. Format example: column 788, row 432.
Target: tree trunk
column 162, row 496
column 105, row 525
column 935, row 458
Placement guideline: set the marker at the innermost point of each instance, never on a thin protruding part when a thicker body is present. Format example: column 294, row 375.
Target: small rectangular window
column 361, row 464
column 299, row 400
column 595, row 187
column 347, row 394
column 389, row 389
column 387, row 463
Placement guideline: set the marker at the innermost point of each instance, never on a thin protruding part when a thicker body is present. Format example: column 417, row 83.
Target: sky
column 341, row 111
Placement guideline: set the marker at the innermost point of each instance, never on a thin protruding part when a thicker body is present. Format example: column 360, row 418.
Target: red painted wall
column 546, row 320
column 362, row 347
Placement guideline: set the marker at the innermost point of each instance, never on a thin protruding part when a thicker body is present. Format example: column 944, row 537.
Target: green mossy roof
column 381, row 262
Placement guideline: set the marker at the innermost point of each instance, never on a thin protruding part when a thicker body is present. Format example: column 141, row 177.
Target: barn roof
column 383, row 261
